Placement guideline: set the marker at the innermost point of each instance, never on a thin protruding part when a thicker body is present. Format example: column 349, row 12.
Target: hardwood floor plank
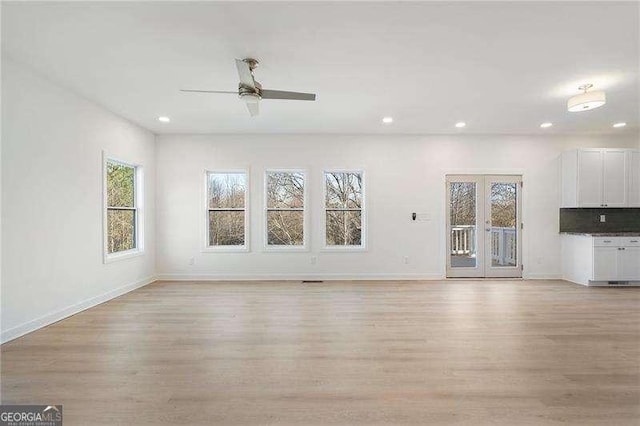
column 392, row 352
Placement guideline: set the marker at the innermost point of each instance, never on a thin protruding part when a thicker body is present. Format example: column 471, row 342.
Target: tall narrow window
column 344, row 209
column 285, row 199
column 226, row 209
column 122, row 195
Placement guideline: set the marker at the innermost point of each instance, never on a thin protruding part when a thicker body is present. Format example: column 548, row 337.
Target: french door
column 484, row 226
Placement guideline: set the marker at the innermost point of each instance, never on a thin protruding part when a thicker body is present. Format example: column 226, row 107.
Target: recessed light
column 164, row 119
column 387, row 120
column 618, row 125
column 461, row 124
column 546, row 125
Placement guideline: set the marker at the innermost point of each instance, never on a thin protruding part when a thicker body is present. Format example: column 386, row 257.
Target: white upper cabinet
column 634, row 179
column 599, row 177
column 615, row 182
column 590, row 178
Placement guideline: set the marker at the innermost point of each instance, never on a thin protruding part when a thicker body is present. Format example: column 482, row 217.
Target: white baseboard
column 53, row 317
column 557, row 276
column 297, row 277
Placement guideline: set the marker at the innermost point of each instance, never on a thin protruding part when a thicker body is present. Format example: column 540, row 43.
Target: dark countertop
column 604, row 234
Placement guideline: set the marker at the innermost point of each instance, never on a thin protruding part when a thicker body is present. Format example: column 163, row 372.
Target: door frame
column 503, row 271
column 484, row 268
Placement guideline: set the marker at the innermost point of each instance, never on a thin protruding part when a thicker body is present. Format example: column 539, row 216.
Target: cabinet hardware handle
column 606, row 241
column 634, row 241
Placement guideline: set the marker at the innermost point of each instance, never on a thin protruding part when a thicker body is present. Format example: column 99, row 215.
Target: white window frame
column 305, row 214
column 247, row 225
column 363, row 213
column 138, row 207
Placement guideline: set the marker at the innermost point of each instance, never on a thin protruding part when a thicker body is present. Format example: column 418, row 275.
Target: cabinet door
column 634, row 178
column 630, row 263
column 615, row 178
column 605, row 263
column 590, row 178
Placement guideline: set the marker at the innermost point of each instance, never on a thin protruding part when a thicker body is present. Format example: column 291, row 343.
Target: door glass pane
column 503, row 224
column 463, row 224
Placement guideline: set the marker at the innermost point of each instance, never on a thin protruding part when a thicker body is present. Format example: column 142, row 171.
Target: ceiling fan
column 251, row 91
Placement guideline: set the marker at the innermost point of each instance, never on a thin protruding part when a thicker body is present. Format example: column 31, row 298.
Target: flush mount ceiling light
column 546, row 125
column 586, row 100
column 618, row 125
column 461, row 124
column 387, row 120
column 164, row 119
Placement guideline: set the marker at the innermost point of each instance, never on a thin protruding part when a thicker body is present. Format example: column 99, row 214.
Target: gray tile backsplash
column 587, row 220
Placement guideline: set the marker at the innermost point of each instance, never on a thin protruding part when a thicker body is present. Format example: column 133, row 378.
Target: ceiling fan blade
column 254, row 108
column 208, row 91
column 244, row 72
column 281, row 94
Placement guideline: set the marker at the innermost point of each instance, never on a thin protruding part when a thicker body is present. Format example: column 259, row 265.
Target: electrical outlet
column 192, row 261
column 405, row 259
column 603, row 218
column 314, row 260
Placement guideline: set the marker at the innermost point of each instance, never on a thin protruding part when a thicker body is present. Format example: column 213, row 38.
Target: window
column 285, row 200
column 123, row 223
column 344, row 204
column 226, row 210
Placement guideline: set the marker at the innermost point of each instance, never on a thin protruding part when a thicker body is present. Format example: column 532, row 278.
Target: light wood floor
column 458, row 352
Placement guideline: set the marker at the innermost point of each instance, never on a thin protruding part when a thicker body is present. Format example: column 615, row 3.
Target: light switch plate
column 603, row 218
column 423, row 217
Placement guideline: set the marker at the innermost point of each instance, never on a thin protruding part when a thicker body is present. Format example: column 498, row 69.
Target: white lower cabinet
column 629, row 267
column 604, row 261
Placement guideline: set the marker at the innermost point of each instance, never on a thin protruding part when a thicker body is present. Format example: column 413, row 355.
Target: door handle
column 488, row 229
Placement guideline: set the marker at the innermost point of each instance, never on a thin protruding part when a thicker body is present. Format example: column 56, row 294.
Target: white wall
column 404, row 174
column 52, row 144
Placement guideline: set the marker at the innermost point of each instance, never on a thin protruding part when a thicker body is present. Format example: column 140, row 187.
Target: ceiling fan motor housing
column 244, row 90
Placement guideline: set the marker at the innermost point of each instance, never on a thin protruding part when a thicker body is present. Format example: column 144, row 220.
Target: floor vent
column 311, row 281
column 618, row 282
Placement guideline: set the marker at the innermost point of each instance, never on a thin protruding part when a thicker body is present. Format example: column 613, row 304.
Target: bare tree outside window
column 226, row 194
column 121, row 207
column 463, row 203
column 343, row 208
column 285, row 208
column 504, row 237
column 503, row 205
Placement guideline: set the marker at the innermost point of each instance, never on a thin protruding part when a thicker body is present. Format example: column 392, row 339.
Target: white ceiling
column 501, row 67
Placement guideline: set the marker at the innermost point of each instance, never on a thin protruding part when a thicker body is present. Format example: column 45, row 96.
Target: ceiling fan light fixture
column 587, row 100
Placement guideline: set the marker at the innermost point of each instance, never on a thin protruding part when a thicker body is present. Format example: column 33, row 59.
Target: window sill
column 226, row 249
column 285, row 249
column 344, row 249
column 114, row 257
